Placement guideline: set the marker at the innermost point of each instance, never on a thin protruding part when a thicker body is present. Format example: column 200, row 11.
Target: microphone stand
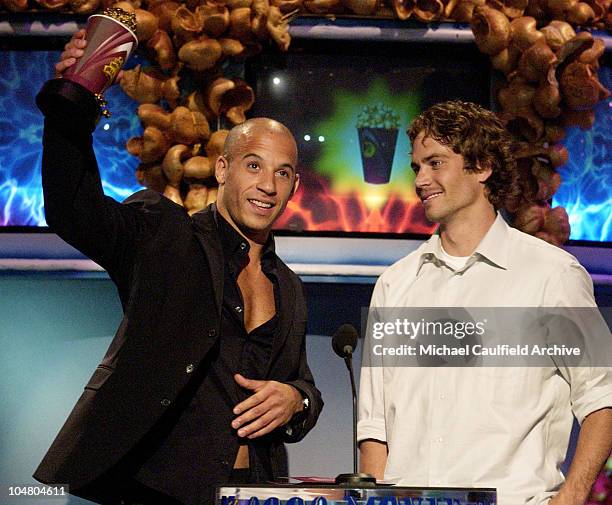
column 349, row 365
column 355, row 478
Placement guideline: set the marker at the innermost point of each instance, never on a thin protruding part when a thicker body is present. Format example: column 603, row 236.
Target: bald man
column 207, row 376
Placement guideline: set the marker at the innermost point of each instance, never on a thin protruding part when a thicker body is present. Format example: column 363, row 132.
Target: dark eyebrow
column 435, row 155
column 428, row 158
column 289, row 166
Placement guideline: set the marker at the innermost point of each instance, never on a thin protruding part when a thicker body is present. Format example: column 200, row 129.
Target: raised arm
column 75, row 205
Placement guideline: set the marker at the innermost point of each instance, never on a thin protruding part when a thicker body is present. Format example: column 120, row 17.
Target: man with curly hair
column 502, row 427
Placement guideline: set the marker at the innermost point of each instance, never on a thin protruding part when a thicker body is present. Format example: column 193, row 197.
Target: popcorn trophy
column 110, row 39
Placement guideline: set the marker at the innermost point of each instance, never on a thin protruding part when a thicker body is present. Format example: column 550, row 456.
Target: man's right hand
column 73, row 50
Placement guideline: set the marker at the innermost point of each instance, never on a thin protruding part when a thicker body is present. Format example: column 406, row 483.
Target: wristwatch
column 299, row 417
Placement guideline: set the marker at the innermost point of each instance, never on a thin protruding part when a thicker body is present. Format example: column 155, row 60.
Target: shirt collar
column 236, row 247
column 493, row 248
column 495, row 245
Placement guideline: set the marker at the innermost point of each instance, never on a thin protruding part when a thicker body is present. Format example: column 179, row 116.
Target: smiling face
column 447, row 190
column 257, row 177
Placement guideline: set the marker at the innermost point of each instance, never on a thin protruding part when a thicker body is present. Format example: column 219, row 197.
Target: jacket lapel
column 286, row 306
column 206, row 233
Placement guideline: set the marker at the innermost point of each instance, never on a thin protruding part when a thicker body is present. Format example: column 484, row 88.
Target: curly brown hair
column 480, row 137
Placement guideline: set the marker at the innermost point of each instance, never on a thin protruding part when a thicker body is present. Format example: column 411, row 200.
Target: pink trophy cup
column 110, row 39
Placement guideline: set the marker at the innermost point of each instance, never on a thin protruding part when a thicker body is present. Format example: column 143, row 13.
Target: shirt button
column 189, row 368
column 442, row 396
column 165, row 402
column 440, row 440
column 243, row 246
column 212, row 333
column 238, row 309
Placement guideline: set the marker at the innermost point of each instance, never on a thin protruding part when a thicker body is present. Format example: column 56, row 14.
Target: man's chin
column 256, row 231
column 433, row 217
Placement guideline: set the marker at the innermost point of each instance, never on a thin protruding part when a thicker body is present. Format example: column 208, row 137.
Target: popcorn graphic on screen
column 377, row 126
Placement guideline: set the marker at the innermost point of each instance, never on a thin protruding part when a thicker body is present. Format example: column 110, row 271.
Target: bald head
column 257, row 176
column 241, row 133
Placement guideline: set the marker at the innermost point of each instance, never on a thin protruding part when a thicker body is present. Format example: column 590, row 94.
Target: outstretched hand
column 271, row 405
column 73, row 50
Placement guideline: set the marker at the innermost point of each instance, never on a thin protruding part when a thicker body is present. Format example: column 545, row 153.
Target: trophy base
column 64, row 99
column 356, row 479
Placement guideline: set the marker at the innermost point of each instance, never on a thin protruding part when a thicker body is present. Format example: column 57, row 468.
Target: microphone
column 344, row 343
column 344, row 340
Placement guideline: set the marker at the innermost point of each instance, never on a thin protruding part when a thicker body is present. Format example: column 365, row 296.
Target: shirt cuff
column 594, row 400
column 371, row 428
column 299, row 417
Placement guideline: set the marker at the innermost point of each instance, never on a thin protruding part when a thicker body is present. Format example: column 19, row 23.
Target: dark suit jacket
column 156, row 254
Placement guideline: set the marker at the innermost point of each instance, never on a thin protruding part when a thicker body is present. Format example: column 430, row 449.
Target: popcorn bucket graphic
column 377, row 150
column 377, row 127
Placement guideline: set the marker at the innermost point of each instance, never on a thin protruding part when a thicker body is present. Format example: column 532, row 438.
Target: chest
column 481, row 285
column 257, row 293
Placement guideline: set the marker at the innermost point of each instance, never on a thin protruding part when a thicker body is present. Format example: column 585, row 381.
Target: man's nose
column 267, row 182
column 423, row 178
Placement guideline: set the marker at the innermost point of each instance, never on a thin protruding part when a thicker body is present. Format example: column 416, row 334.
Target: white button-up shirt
column 502, row 427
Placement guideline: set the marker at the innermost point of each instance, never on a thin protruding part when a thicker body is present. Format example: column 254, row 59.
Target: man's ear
column 483, row 173
column 296, row 185
column 221, row 168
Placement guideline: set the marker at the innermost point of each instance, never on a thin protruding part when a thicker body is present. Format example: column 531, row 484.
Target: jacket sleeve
column 298, row 427
column 75, row 206
column 301, row 424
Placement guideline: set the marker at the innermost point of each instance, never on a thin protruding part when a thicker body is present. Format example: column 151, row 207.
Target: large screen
column 349, row 105
column 21, row 126
column 586, row 190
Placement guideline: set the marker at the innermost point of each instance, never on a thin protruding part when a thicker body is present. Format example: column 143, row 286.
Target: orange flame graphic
column 321, row 210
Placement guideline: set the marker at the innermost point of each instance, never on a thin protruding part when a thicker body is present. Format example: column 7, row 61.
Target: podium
column 330, row 494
